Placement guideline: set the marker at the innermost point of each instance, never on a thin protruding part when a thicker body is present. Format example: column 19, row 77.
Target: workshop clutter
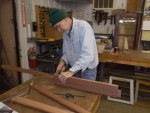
column 32, row 57
column 102, row 15
column 44, row 30
column 103, row 44
column 100, row 47
column 147, row 11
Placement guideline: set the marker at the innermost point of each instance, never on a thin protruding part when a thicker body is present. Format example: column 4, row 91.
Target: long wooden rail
column 73, row 82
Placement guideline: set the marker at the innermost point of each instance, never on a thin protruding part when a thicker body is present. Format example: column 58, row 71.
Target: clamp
column 69, row 95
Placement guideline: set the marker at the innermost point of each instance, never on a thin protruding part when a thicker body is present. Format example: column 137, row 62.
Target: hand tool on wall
column 111, row 19
column 69, row 95
column 100, row 16
column 105, row 17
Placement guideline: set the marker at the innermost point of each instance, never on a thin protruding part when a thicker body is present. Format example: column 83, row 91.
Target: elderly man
column 79, row 46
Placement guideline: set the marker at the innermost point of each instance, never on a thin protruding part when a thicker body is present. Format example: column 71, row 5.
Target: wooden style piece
column 38, row 106
column 90, row 86
column 131, row 100
column 22, row 70
column 76, row 83
column 62, row 101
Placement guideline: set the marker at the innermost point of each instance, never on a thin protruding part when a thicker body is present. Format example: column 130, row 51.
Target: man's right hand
column 61, row 66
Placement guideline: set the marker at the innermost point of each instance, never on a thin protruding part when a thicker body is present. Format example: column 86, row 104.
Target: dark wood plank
column 90, row 86
column 23, row 70
column 76, row 83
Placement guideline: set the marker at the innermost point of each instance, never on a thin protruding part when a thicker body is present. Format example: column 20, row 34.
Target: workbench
column 90, row 102
column 127, row 57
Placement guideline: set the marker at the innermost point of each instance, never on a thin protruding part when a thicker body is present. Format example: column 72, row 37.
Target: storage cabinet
column 146, row 22
column 127, row 26
column 49, row 54
column 146, row 27
column 44, row 30
column 48, row 42
column 134, row 5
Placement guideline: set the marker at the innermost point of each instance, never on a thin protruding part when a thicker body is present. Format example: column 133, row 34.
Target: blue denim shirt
column 79, row 47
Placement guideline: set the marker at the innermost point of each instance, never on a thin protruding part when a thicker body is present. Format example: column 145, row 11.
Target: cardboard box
column 100, row 47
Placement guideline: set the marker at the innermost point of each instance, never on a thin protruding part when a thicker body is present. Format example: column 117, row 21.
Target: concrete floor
column 106, row 106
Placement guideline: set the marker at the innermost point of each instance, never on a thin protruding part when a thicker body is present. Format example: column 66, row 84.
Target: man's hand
column 61, row 66
column 65, row 75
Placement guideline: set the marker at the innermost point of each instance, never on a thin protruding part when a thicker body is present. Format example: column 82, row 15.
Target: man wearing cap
column 79, row 46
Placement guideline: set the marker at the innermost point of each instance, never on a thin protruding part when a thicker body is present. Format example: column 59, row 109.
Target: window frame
column 103, row 7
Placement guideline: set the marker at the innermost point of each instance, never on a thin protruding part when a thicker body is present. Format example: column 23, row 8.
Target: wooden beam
column 22, row 70
column 76, row 83
column 38, row 106
column 60, row 100
column 90, row 86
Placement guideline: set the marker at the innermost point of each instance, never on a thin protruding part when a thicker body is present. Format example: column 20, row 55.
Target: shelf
column 47, row 39
column 31, row 39
column 127, row 35
column 98, row 9
column 147, row 0
column 42, row 40
column 146, row 16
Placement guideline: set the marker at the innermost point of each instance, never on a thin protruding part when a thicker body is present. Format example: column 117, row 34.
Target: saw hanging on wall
column 100, row 16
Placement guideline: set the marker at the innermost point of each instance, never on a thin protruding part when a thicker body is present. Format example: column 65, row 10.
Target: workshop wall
column 80, row 10
column 85, row 11
column 25, row 16
column 22, row 40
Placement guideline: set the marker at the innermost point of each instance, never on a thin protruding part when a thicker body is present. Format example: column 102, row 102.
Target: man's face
column 61, row 26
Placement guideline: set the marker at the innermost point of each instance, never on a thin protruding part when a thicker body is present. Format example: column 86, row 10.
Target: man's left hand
column 65, row 75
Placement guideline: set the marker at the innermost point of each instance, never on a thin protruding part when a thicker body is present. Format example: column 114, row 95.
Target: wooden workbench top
column 129, row 57
column 90, row 102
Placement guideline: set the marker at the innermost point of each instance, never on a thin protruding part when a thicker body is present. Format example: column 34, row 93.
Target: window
column 98, row 4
